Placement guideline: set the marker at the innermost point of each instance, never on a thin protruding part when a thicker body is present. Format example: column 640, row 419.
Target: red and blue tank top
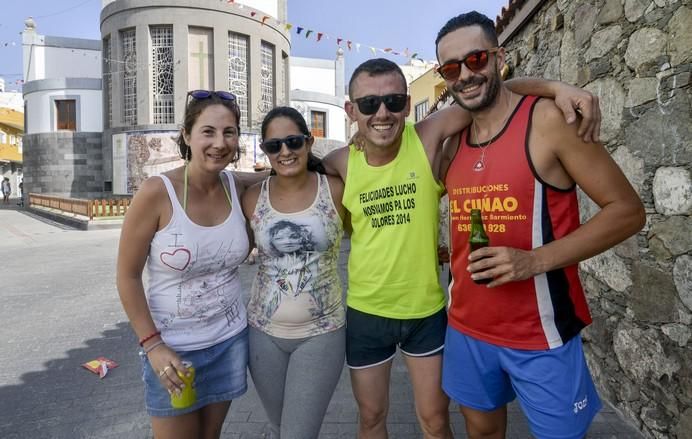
column 519, row 210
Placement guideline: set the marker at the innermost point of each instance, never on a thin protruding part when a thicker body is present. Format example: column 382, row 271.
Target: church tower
column 155, row 51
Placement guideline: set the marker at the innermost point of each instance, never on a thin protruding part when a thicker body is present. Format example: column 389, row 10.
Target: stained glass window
column 238, row 73
column 162, row 74
column 128, row 41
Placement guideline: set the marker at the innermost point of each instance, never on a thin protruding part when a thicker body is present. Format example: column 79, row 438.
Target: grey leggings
column 295, row 379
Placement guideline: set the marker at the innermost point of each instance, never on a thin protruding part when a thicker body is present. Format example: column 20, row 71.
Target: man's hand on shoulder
column 336, row 162
column 572, row 100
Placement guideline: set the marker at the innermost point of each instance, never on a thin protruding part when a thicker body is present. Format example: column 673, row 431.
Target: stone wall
column 64, row 164
column 636, row 55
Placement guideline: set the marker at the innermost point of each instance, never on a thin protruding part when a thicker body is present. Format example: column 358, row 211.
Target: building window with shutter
column 317, row 122
column 66, row 114
column 421, row 110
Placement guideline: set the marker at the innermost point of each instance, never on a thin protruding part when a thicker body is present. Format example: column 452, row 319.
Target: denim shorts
column 220, row 375
column 372, row 340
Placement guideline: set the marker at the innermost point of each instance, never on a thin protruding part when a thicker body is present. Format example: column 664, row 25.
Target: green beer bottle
column 478, row 238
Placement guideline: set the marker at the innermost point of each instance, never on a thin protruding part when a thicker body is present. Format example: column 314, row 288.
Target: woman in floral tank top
column 296, row 313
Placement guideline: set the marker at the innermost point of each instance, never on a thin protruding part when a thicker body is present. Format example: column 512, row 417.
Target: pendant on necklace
column 479, row 165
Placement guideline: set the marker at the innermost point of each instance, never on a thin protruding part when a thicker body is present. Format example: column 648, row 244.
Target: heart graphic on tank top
column 177, row 260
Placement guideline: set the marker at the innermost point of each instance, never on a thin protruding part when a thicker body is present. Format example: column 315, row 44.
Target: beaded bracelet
column 151, row 348
column 148, row 337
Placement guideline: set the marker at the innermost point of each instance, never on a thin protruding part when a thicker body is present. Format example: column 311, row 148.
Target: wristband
column 148, row 337
column 151, row 348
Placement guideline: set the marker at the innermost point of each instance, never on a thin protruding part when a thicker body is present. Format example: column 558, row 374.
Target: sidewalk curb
column 76, row 222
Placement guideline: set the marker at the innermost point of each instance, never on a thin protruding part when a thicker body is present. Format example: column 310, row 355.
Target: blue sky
column 396, row 24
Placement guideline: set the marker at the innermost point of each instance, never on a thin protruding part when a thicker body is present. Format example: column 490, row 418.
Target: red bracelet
column 148, row 337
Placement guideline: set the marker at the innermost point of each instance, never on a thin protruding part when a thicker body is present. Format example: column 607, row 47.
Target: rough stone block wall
column 636, row 55
column 64, row 164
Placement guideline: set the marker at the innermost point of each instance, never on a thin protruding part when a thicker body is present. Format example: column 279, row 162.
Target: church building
column 102, row 116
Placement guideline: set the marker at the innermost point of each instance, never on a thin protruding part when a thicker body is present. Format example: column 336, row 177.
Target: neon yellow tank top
column 392, row 268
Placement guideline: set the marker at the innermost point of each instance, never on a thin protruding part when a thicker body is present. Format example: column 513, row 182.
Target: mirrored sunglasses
column 475, row 62
column 369, row 105
column 206, row 94
column 294, row 143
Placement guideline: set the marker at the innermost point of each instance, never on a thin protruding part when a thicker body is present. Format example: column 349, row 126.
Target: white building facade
column 63, row 119
column 102, row 116
column 318, row 92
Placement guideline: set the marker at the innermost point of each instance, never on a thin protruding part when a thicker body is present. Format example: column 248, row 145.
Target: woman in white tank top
column 296, row 313
column 187, row 227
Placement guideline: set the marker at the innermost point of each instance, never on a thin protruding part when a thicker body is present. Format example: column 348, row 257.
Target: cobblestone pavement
column 60, row 309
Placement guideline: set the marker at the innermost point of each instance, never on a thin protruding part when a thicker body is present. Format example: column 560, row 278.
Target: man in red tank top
column 518, row 335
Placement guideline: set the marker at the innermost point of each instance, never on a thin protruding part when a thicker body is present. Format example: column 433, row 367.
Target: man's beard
column 490, row 95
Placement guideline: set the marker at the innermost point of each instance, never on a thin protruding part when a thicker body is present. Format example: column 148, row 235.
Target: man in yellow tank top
column 392, row 193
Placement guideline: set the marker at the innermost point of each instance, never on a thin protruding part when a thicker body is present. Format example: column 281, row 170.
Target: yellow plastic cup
column 188, row 395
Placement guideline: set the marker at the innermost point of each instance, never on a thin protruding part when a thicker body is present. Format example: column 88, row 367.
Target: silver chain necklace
column 479, row 165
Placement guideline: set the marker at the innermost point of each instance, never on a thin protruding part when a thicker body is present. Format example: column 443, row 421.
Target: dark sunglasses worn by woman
column 206, row 94
column 294, row 143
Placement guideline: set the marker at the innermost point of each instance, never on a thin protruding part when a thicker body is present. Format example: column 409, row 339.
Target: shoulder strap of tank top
column 263, row 197
column 232, row 197
column 171, row 194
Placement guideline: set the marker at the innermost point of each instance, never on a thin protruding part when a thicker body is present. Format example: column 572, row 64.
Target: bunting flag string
column 318, row 35
column 322, row 36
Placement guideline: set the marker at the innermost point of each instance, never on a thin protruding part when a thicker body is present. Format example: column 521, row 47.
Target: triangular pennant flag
column 299, row 30
column 388, row 49
column 348, row 43
column 319, row 35
column 374, row 51
column 357, row 47
column 265, row 18
column 395, row 53
column 253, row 13
column 406, row 52
column 307, row 33
column 414, row 55
column 338, row 41
column 288, row 26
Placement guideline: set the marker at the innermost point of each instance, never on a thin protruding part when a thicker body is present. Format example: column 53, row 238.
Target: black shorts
column 372, row 340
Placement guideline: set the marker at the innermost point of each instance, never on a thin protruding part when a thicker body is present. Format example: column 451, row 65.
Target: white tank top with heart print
column 194, row 291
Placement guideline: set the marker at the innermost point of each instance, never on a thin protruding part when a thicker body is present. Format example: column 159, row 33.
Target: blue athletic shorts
column 372, row 340
column 220, row 375
column 554, row 386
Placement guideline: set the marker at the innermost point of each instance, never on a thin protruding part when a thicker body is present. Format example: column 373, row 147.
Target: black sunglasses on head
column 369, row 105
column 294, row 143
column 475, row 61
column 206, row 94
